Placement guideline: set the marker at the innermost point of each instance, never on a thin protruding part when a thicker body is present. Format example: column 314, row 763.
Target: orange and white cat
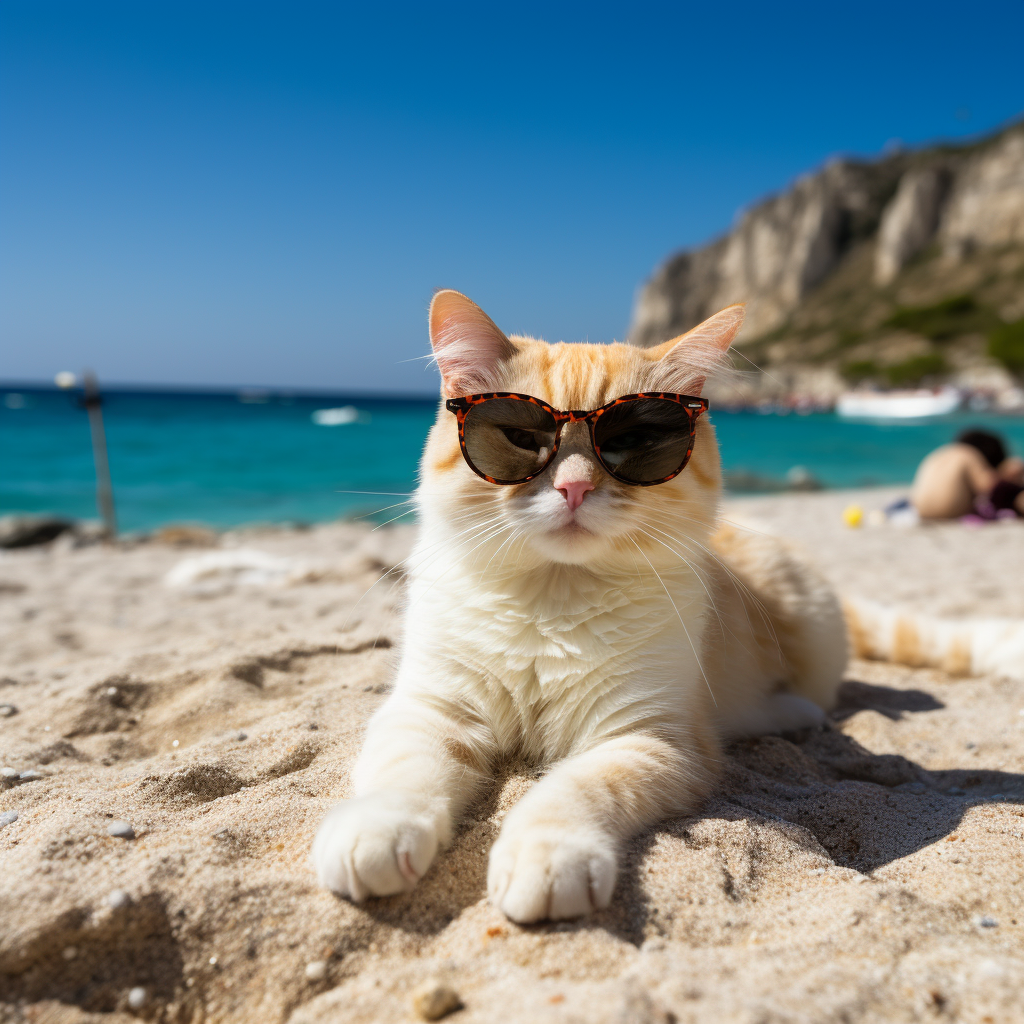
column 610, row 632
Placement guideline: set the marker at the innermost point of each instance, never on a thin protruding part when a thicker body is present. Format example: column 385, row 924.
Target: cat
column 615, row 633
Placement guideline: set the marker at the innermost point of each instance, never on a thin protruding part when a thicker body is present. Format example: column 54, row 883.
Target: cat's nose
column 574, row 491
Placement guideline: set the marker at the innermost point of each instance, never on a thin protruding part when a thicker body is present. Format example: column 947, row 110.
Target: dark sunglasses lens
column 509, row 440
column 645, row 439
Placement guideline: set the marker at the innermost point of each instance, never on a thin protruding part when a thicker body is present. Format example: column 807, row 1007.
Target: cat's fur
column 618, row 643
column 959, row 647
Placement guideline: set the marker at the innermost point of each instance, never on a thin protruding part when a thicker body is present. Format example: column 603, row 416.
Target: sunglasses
column 641, row 439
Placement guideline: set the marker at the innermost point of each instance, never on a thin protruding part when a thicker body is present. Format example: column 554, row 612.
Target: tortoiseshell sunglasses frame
column 694, row 406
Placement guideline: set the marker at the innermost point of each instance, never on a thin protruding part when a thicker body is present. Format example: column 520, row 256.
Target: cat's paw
column 537, row 873
column 375, row 845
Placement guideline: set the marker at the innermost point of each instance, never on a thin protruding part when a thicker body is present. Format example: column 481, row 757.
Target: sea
column 228, row 458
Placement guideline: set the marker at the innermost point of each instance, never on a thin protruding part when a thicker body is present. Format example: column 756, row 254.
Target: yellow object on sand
column 853, row 515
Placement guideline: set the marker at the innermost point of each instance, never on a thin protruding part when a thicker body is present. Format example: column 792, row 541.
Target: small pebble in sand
column 175, row 744
column 29, row 776
column 69, row 952
column 118, row 899
column 8, row 818
column 6, row 710
column 989, row 969
column 137, row 998
column 121, row 830
column 987, row 922
column 242, row 737
column 433, row 999
column 8, row 773
column 213, row 961
column 112, row 692
column 316, row 970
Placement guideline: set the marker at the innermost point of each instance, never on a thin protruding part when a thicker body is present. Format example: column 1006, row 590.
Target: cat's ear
column 684, row 363
column 468, row 346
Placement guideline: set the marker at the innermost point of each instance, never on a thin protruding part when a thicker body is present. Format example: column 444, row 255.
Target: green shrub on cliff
column 913, row 371
column 860, row 369
column 1006, row 343
column 960, row 314
column 900, row 375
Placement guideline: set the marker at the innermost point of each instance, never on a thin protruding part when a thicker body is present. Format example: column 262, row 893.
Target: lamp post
column 92, row 401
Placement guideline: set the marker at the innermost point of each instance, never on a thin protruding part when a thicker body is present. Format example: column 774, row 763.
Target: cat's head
column 574, row 511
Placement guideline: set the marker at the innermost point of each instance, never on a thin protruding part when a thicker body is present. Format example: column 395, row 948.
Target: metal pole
column 93, row 403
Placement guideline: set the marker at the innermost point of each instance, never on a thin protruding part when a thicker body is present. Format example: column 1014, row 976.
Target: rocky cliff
column 899, row 270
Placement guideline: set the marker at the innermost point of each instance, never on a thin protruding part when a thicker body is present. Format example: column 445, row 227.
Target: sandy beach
column 870, row 871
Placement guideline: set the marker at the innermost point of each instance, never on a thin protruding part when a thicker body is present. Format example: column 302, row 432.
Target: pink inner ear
column 686, row 362
column 468, row 345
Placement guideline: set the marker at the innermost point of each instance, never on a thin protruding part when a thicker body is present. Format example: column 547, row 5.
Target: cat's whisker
column 477, row 511
column 415, row 502
column 668, row 594
column 402, row 567
column 386, row 494
column 696, row 573
column 386, row 508
column 721, row 621
column 429, row 357
column 665, row 520
column 515, row 536
column 476, row 522
column 407, row 512
column 490, row 536
column 511, row 536
column 636, row 565
column 688, row 564
column 444, row 543
column 736, row 582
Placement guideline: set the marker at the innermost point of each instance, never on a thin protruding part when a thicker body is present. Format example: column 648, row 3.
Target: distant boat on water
column 338, row 417
column 898, row 405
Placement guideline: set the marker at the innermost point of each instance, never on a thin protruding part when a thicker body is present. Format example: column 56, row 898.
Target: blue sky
column 268, row 194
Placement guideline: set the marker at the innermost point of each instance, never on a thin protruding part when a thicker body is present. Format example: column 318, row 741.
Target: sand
column 870, row 871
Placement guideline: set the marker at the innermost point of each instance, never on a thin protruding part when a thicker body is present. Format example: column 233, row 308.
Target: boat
column 336, row 417
column 898, row 405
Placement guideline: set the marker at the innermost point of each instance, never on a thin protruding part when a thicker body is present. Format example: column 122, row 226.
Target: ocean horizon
column 232, row 456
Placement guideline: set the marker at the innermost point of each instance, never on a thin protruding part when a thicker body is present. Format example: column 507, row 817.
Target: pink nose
column 574, row 492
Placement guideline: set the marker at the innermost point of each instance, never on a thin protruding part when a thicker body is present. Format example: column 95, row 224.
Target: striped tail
column 961, row 647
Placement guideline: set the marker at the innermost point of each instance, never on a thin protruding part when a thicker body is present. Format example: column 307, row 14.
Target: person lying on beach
column 973, row 475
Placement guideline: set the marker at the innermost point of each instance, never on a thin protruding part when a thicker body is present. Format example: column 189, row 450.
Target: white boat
column 336, row 417
column 898, row 405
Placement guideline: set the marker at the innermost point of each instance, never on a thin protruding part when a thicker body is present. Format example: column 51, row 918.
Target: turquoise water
column 222, row 460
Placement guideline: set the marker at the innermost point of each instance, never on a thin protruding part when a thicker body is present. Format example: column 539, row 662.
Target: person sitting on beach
column 973, row 475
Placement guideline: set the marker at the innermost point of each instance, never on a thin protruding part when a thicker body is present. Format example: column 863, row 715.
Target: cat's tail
column 961, row 647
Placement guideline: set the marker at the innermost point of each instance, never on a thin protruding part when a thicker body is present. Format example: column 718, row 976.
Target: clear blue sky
column 253, row 193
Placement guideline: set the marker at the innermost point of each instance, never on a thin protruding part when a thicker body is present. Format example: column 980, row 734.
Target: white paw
column 550, row 872
column 375, row 845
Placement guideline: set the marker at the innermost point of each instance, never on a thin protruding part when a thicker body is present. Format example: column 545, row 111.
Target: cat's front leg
column 557, row 854
column 418, row 770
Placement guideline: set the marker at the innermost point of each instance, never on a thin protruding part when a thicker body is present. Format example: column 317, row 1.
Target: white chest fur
column 555, row 656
